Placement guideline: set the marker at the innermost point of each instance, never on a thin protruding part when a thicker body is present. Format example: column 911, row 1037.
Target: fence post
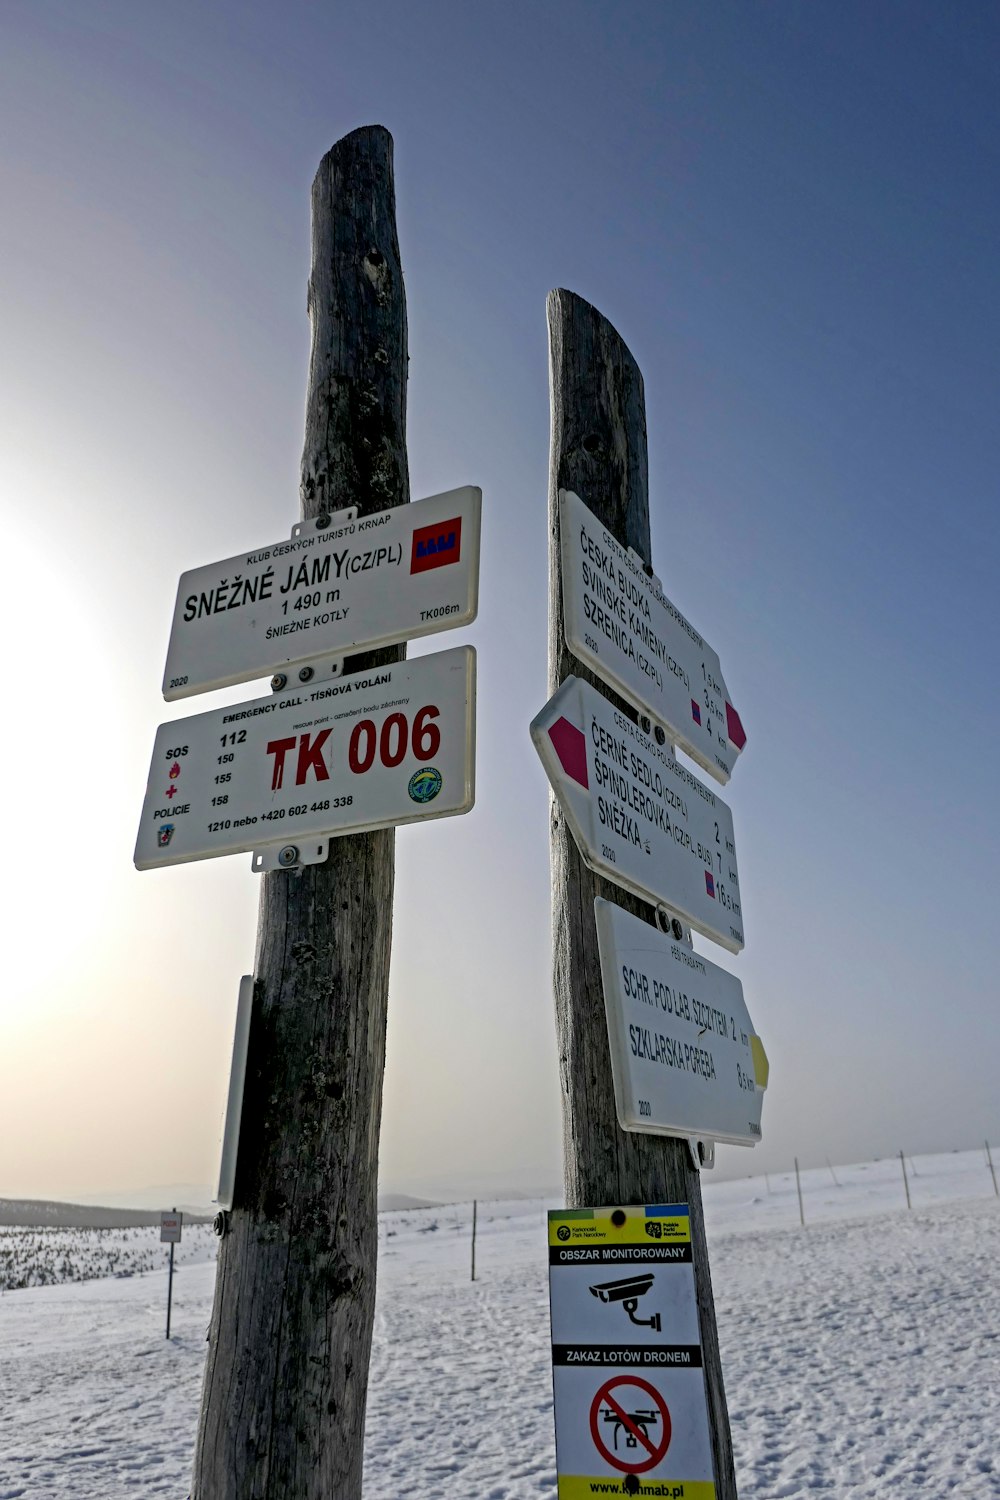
column 798, row 1188
column 283, row 1403
column 598, row 449
column 906, row 1185
column 170, row 1282
column 989, row 1162
column 474, row 1206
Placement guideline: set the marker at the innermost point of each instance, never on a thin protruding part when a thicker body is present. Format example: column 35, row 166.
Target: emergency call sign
column 392, row 745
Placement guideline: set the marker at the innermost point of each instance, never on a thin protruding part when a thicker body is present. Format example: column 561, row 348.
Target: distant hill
column 389, row 1203
column 33, row 1213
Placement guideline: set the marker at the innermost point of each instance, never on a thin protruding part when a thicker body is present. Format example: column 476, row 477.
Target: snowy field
column 861, row 1355
column 53, row 1256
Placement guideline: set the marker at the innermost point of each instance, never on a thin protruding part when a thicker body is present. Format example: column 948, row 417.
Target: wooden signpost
column 598, row 452
column 352, row 741
column 283, row 1405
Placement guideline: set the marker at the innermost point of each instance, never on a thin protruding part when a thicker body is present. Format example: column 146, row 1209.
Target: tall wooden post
column 283, row 1405
column 598, row 449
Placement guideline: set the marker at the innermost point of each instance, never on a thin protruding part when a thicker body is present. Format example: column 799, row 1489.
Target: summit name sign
column 620, row 624
column 639, row 817
column 326, row 591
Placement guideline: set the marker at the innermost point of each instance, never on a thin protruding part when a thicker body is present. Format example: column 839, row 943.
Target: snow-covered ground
column 862, row 1355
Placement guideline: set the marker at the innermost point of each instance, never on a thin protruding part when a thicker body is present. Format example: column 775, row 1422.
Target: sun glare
column 60, row 769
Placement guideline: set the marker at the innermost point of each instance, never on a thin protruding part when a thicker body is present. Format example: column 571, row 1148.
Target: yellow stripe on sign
column 585, row 1487
column 638, row 1225
column 761, row 1066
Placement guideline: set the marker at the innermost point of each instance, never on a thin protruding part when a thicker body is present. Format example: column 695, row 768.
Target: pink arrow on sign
column 734, row 728
column 570, row 746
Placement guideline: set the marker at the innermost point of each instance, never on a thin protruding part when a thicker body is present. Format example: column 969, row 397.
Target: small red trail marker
column 570, row 745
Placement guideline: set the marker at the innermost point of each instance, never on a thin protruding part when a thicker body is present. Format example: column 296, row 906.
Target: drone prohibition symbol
column 637, row 1424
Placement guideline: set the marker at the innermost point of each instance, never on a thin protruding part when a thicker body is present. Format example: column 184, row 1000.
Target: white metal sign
column 684, row 1054
column 234, row 1102
column 352, row 585
column 640, row 818
column 392, row 745
column 170, row 1228
column 631, row 1410
column 621, row 624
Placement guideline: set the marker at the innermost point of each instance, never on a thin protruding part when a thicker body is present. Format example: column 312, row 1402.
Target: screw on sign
column 610, row 1408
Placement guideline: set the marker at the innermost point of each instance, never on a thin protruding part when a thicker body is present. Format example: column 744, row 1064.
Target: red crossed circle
column 655, row 1451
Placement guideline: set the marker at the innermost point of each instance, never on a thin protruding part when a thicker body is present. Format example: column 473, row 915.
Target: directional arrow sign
column 684, row 1055
column 639, row 817
column 353, row 585
column 392, row 745
column 620, row 623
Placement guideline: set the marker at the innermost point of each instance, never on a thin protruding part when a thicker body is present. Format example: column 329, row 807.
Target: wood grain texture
column 598, row 450
column 283, row 1406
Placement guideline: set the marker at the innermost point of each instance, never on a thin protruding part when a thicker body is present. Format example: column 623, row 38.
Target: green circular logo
column 425, row 784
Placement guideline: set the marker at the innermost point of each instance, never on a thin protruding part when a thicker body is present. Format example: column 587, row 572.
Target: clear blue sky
column 790, row 213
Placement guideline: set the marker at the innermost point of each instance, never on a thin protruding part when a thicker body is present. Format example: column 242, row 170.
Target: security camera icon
column 627, row 1292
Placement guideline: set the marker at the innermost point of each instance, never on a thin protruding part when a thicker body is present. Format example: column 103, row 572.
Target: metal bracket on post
column 290, row 856
column 312, row 671
column 671, row 926
column 314, row 851
column 702, row 1153
column 328, row 521
column 646, row 568
column 658, row 732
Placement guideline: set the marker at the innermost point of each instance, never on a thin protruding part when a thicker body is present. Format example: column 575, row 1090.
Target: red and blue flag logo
column 696, row 711
column 436, row 546
column 710, row 884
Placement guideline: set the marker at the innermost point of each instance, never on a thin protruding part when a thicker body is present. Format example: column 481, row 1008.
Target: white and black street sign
column 628, row 1381
column 640, row 818
column 351, row 586
column 619, row 622
column 684, row 1054
column 392, row 745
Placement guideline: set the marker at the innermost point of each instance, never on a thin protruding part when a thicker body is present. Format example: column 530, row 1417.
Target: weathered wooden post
column 283, row 1406
column 598, row 450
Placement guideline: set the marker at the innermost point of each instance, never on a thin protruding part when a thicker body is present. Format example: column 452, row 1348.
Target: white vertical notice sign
column 627, row 1373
